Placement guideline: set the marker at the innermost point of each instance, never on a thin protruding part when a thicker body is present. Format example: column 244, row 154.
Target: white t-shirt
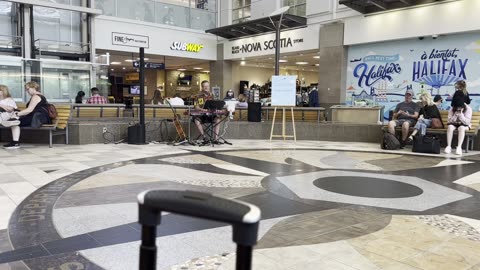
column 8, row 102
column 176, row 101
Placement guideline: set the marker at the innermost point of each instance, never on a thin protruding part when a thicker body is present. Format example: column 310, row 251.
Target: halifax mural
column 380, row 73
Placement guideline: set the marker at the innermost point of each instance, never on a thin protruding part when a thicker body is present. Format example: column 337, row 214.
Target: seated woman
column 428, row 112
column 79, row 97
column 35, row 115
column 242, row 101
column 459, row 117
column 7, row 104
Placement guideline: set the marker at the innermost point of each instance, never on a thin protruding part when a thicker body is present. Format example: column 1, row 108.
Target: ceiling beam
column 378, row 3
column 406, row 2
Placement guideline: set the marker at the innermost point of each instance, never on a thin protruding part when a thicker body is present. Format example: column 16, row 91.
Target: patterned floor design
column 324, row 206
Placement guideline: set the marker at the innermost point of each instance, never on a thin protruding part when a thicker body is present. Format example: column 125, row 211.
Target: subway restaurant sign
column 186, row 47
column 298, row 40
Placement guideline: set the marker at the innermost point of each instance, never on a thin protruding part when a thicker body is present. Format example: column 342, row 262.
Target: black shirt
column 466, row 97
column 430, row 112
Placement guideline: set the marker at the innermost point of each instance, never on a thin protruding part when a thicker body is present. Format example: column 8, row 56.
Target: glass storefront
column 195, row 14
column 60, row 81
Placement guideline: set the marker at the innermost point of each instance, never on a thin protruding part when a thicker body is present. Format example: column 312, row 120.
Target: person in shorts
column 405, row 115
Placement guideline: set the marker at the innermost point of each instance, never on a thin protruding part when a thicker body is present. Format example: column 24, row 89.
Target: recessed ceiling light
column 129, row 60
column 112, row 69
column 181, row 69
column 301, row 63
column 197, row 68
column 242, row 63
column 317, row 65
column 317, row 57
column 283, row 61
column 115, row 63
column 123, row 68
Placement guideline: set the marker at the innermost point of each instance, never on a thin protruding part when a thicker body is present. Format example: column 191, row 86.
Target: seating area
column 59, row 125
column 470, row 135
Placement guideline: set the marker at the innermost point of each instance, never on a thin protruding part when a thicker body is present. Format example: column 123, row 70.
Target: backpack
column 52, row 111
column 389, row 142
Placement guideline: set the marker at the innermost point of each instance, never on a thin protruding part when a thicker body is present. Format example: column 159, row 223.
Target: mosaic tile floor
column 324, row 206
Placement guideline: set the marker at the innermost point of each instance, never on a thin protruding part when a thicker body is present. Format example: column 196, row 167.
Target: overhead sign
column 303, row 39
column 149, row 65
column 187, row 47
column 130, row 40
column 132, row 77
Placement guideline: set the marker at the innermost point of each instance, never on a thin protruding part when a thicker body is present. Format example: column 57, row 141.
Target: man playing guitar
column 201, row 98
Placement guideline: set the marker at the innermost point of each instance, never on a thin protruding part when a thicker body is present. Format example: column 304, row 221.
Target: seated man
column 202, row 97
column 404, row 115
column 96, row 98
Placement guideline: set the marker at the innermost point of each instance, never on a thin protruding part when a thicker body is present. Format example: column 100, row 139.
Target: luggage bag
column 243, row 217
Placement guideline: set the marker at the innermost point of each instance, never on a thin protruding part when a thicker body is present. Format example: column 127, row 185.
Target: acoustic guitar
column 178, row 126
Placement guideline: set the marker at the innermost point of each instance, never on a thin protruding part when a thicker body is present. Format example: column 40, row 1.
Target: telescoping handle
column 243, row 217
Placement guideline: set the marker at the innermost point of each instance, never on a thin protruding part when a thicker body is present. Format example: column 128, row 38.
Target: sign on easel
column 283, row 95
column 284, row 90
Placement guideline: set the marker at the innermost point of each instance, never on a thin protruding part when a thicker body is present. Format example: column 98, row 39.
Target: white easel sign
column 284, row 91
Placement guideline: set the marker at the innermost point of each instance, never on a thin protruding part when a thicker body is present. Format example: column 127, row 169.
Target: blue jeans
column 422, row 125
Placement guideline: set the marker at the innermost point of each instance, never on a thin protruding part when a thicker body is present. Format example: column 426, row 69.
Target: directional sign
column 150, row 65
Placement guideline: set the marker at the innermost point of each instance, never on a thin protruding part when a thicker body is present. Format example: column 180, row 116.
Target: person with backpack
column 35, row 115
column 405, row 115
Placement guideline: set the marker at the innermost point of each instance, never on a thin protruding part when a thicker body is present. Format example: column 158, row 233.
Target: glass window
column 202, row 19
column 62, row 81
column 141, row 10
column 108, row 7
column 173, row 15
column 297, row 7
column 6, row 18
column 241, row 11
column 11, row 75
column 237, row 3
column 56, row 25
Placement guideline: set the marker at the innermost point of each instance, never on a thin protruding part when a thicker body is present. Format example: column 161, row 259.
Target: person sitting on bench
column 459, row 117
column 35, row 115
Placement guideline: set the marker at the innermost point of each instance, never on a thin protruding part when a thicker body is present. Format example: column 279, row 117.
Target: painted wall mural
column 380, row 73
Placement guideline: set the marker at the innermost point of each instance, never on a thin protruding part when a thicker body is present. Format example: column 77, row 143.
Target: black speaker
column 242, row 86
column 136, row 134
column 254, row 112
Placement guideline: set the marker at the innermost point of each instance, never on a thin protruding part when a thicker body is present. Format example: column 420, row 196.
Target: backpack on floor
column 389, row 142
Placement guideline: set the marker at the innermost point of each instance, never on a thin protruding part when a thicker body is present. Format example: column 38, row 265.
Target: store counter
column 357, row 114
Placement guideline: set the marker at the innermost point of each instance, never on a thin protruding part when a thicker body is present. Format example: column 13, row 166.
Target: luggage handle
column 243, row 217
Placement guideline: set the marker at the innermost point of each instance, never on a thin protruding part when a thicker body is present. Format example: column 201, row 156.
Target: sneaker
column 448, row 150
column 410, row 139
column 402, row 144
column 12, row 145
column 11, row 122
column 459, row 151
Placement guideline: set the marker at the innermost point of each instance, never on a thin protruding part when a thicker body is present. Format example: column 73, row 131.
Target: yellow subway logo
column 187, row 47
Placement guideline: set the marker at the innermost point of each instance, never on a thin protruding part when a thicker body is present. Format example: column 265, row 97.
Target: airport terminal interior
column 181, row 125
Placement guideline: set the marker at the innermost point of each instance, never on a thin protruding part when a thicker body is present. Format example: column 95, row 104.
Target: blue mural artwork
column 381, row 73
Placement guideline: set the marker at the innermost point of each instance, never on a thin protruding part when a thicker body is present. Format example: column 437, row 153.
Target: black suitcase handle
column 243, row 217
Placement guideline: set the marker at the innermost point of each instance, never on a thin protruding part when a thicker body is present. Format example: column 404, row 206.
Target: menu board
column 284, row 90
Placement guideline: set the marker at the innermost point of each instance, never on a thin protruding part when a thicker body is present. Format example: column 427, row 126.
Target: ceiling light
column 130, row 60
column 301, row 63
column 181, row 69
column 112, row 69
column 317, row 65
column 123, row 68
column 317, row 57
column 197, row 68
column 242, row 63
column 283, row 61
column 115, row 63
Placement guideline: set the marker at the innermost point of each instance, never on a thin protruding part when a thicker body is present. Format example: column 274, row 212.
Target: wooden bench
column 470, row 135
column 98, row 110
column 59, row 125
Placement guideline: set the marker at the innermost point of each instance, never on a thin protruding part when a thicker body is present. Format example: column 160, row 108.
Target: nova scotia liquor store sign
column 303, row 39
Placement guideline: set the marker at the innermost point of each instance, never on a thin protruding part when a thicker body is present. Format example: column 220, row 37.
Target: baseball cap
column 409, row 91
column 437, row 98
